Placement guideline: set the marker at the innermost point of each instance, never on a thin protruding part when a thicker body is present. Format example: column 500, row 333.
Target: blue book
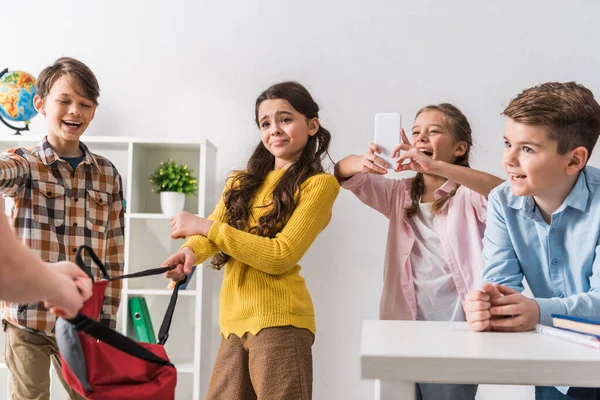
column 171, row 284
column 577, row 324
column 189, row 278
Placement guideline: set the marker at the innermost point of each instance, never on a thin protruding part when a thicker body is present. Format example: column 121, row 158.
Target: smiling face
column 67, row 111
column 432, row 137
column 284, row 131
column 532, row 161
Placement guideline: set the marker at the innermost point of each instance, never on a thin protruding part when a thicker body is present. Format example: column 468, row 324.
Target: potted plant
column 173, row 181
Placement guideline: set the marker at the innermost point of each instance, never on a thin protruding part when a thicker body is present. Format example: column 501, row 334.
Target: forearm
column 24, row 278
column 198, row 242
column 280, row 254
column 202, row 247
column 478, row 181
column 580, row 305
column 347, row 167
column 273, row 256
column 13, row 172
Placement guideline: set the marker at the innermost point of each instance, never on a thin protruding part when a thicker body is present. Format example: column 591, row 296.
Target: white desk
column 406, row 352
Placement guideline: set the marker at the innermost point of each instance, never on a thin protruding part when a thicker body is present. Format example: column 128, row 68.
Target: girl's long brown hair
column 244, row 184
column 460, row 129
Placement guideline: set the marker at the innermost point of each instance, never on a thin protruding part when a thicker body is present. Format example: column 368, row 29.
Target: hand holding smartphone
column 387, row 136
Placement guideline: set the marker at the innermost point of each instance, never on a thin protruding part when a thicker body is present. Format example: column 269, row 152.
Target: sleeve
column 480, row 204
column 375, row 191
column 500, row 262
column 204, row 248
column 280, row 254
column 114, row 255
column 14, row 172
column 584, row 305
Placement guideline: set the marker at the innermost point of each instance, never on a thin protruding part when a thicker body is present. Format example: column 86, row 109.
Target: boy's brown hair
column 568, row 110
column 83, row 78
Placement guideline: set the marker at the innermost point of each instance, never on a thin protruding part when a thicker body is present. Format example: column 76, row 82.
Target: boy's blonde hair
column 83, row 77
column 568, row 110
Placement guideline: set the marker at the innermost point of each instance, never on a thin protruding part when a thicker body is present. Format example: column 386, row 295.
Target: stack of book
column 583, row 331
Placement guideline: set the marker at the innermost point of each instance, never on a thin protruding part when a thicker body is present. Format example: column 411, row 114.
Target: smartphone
column 387, row 136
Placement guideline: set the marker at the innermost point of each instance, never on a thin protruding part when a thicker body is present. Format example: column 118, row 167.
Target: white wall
column 194, row 68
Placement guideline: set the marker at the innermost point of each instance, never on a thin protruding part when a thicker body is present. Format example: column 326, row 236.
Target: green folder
column 140, row 318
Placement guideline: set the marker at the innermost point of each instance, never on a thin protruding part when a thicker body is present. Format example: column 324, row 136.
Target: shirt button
column 49, row 192
column 100, row 201
column 561, row 294
column 74, row 249
column 554, row 262
column 75, row 224
column 75, row 199
column 405, row 252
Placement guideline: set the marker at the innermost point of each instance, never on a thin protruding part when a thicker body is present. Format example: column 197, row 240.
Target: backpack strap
column 92, row 254
column 107, row 335
column 163, row 333
column 116, row 340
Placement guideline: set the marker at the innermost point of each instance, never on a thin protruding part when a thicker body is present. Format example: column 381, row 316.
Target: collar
column 48, row 156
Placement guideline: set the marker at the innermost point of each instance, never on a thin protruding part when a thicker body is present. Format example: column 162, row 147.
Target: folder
column 140, row 318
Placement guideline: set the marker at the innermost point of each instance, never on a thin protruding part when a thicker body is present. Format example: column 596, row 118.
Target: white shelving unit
column 194, row 334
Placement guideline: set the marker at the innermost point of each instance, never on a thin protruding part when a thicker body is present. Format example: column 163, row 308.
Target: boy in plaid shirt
column 64, row 197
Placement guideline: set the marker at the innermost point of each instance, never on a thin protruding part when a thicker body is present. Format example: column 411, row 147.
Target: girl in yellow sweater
column 267, row 218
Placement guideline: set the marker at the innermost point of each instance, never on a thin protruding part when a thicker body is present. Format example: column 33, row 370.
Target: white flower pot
column 171, row 202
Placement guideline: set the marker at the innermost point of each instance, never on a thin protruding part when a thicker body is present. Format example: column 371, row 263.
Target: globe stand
column 16, row 128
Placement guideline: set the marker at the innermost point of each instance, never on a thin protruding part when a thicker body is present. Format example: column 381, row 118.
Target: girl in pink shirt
column 437, row 219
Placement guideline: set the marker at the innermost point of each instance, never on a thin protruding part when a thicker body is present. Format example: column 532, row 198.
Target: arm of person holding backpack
column 24, row 278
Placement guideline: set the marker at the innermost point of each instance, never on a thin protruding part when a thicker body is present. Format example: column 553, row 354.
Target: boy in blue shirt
column 542, row 225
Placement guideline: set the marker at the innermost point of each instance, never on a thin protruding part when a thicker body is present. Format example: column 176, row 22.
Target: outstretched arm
column 14, row 171
column 478, row 181
column 352, row 165
column 24, row 278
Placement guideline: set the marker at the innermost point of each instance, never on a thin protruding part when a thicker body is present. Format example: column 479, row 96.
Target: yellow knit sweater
column 262, row 286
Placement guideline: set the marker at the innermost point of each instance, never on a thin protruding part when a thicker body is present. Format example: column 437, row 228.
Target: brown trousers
column 28, row 357
column 276, row 364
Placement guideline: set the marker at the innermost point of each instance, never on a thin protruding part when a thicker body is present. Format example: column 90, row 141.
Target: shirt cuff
column 549, row 307
column 355, row 181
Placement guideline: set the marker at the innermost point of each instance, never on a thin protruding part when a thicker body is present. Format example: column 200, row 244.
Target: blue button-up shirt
column 560, row 260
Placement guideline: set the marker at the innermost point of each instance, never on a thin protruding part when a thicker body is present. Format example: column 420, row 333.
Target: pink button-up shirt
column 460, row 224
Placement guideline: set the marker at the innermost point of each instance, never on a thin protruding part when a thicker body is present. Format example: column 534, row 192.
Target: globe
column 17, row 90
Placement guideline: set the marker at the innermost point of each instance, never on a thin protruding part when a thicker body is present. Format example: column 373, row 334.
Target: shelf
column 148, row 216
column 184, row 367
column 192, row 344
column 159, row 292
column 185, row 147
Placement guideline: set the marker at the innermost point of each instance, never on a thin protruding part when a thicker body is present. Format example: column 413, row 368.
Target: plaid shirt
column 56, row 211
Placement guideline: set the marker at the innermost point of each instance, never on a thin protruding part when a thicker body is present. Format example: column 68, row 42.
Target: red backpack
column 100, row 363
